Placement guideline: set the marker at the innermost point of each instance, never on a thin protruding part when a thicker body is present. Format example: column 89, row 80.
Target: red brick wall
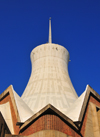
column 93, row 100
column 14, row 119
column 84, row 122
column 49, row 122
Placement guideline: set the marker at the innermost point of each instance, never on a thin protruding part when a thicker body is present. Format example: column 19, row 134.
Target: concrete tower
column 49, row 82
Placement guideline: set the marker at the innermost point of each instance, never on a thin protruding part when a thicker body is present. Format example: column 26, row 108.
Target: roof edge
column 42, row 111
column 90, row 90
column 9, row 91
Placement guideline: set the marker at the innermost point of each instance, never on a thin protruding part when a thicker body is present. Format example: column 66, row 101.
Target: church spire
column 50, row 38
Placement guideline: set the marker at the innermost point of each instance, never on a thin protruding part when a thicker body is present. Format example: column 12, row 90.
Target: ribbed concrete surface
column 49, row 81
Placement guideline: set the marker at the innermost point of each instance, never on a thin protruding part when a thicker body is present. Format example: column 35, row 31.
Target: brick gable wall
column 49, row 122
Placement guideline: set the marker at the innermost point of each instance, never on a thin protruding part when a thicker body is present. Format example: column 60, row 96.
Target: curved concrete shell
column 49, row 82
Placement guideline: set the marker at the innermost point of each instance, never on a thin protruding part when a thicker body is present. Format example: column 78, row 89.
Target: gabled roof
column 22, row 111
column 74, row 114
column 49, row 109
column 77, row 109
column 90, row 92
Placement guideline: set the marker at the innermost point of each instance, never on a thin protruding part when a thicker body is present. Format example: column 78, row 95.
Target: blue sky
column 75, row 25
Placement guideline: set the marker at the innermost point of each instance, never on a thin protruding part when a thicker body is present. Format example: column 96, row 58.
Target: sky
column 24, row 24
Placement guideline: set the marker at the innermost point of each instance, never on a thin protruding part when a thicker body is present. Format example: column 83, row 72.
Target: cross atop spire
column 50, row 38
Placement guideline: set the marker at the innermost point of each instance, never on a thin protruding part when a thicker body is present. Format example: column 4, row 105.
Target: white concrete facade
column 49, row 82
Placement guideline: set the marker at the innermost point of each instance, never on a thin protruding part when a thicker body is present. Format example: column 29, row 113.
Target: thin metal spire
column 50, row 37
